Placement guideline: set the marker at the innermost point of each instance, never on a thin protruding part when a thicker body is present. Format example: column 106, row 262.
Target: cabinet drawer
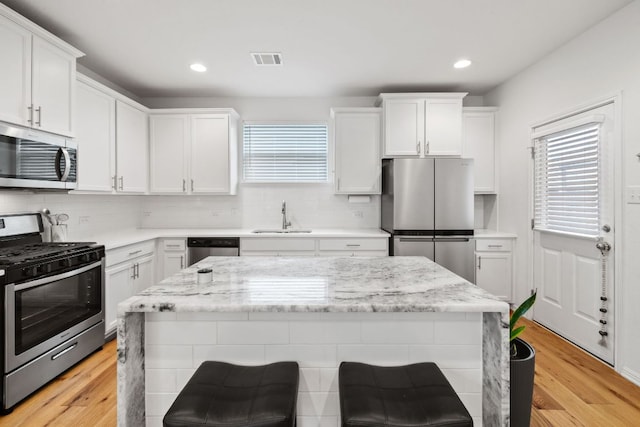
column 126, row 253
column 277, row 244
column 497, row 245
column 174, row 244
column 353, row 244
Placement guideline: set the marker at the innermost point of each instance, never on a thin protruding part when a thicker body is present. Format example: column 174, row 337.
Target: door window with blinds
column 287, row 153
column 567, row 178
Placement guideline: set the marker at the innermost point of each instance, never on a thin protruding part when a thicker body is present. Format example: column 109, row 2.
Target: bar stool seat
column 226, row 395
column 415, row 395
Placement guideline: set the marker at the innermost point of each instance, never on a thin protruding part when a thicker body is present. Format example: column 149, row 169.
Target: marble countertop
column 318, row 284
column 116, row 240
column 492, row 234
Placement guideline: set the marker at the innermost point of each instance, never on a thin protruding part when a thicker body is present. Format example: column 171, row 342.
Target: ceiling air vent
column 264, row 59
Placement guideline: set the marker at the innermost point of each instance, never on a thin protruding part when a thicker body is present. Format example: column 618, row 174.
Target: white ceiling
column 329, row 47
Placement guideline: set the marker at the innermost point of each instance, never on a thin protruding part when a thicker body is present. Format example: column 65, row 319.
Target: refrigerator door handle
column 452, row 239
column 416, row 239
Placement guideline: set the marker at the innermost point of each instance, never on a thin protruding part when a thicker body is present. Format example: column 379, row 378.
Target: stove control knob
column 84, row 258
column 46, row 268
column 64, row 262
column 30, row 271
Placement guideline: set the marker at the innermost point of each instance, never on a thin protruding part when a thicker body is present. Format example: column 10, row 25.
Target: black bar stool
column 415, row 395
column 225, row 395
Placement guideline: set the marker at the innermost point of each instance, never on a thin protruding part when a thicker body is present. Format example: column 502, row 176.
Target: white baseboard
column 631, row 375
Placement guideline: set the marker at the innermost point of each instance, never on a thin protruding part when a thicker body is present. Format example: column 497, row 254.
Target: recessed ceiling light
column 198, row 67
column 462, row 63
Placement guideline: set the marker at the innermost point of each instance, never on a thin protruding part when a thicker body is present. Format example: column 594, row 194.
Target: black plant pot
column 522, row 372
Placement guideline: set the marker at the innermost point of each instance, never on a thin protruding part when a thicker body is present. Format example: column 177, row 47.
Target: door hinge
column 533, row 152
column 533, row 222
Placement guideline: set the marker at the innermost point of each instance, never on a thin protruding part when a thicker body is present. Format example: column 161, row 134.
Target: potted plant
column 522, row 368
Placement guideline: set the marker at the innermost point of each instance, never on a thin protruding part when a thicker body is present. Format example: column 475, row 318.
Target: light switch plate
column 633, row 194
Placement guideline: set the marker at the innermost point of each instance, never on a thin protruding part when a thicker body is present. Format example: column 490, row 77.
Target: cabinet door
column 210, row 171
column 15, row 73
column 172, row 263
column 169, row 136
column 357, row 153
column 144, row 277
column 493, row 273
column 95, row 134
column 131, row 148
column 443, row 127
column 404, row 127
column 478, row 144
column 117, row 288
column 53, row 85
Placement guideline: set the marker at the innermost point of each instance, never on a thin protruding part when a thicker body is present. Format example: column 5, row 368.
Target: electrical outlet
column 358, row 214
column 215, row 213
column 146, row 214
column 83, row 219
column 633, row 194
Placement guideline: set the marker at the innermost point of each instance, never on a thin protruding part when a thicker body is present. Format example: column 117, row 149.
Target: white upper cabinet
column 113, row 140
column 37, row 76
column 132, row 148
column 96, row 137
column 478, row 126
column 356, row 133
column 194, row 151
column 422, row 124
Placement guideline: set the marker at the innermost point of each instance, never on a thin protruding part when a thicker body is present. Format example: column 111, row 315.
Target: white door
column 210, row 171
column 117, row 289
column 131, row 148
column 443, row 127
column 574, row 202
column 493, row 273
column 172, row 263
column 404, row 127
column 53, row 85
column 144, row 274
column 168, row 136
column 15, row 73
column 95, row 134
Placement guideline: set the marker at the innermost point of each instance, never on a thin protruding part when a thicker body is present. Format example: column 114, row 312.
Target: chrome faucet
column 285, row 223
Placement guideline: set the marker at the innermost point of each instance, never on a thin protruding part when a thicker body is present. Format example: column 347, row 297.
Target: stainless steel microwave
column 32, row 159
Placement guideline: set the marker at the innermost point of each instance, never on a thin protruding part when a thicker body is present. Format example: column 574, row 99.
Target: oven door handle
column 38, row 282
column 63, row 352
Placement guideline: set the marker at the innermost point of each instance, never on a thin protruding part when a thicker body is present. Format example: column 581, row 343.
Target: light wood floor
column 571, row 389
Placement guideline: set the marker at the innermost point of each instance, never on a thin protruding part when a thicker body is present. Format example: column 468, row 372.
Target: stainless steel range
column 53, row 303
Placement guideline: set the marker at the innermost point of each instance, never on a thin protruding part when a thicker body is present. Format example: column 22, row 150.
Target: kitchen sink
column 280, row 231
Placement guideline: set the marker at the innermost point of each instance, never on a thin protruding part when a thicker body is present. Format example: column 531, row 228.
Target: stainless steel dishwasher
column 201, row 247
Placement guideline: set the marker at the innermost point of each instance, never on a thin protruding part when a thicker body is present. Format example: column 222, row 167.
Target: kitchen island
column 318, row 312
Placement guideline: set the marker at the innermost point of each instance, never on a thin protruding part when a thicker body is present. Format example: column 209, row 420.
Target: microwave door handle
column 67, row 164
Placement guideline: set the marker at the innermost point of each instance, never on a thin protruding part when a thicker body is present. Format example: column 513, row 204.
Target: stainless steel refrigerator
column 427, row 206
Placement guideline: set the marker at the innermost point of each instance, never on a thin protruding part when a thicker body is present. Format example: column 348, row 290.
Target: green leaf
column 516, row 332
column 522, row 309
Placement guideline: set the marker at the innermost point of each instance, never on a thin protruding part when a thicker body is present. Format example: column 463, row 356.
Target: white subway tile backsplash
column 239, row 354
column 464, row 380
column 154, row 422
column 374, row 354
column 325, row 332
column 317, row 404
column 329, row 379
column 161, row 380
column 458, row 332
column 168, row 356
column 157, row 404
column 397, row 332
column 183, row 376
column 448, row 356
column 181, row 333
column 251, row 332
column 307, row 355
column 309, row 379
column 473, row 403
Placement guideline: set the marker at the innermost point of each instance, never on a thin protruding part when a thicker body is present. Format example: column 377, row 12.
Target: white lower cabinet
column 174, row 257
column 320, row 246
column 494, row 267
column 129, row 270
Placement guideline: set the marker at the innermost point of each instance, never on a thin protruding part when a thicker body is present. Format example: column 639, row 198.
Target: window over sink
column 285, row 152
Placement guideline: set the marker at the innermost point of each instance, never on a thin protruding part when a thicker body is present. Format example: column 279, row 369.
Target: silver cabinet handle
column 494, row 246
column 418, row 147
column 121, row 183
column 192, row 186
column 479, row 262
column 135, row 252
column 138, row 270
column 426, row 151
column 133, row 271
column 184, row 185
column 39, row 111
column 173, row 246
column 181, row 261
column 353, row 245
column 30, row 119
column 114, row 185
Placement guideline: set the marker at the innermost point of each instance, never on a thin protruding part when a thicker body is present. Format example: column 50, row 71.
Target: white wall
column 89, row 215
column 596, row 64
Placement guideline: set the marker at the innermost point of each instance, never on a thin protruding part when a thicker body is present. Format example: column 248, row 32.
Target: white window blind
column 566, row 173
column 285, row 152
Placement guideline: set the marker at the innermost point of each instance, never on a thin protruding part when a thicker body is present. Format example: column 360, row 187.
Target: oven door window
column 44, row 311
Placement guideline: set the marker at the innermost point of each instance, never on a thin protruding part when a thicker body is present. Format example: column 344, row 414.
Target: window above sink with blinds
column 285, row 152
column 567, row 178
